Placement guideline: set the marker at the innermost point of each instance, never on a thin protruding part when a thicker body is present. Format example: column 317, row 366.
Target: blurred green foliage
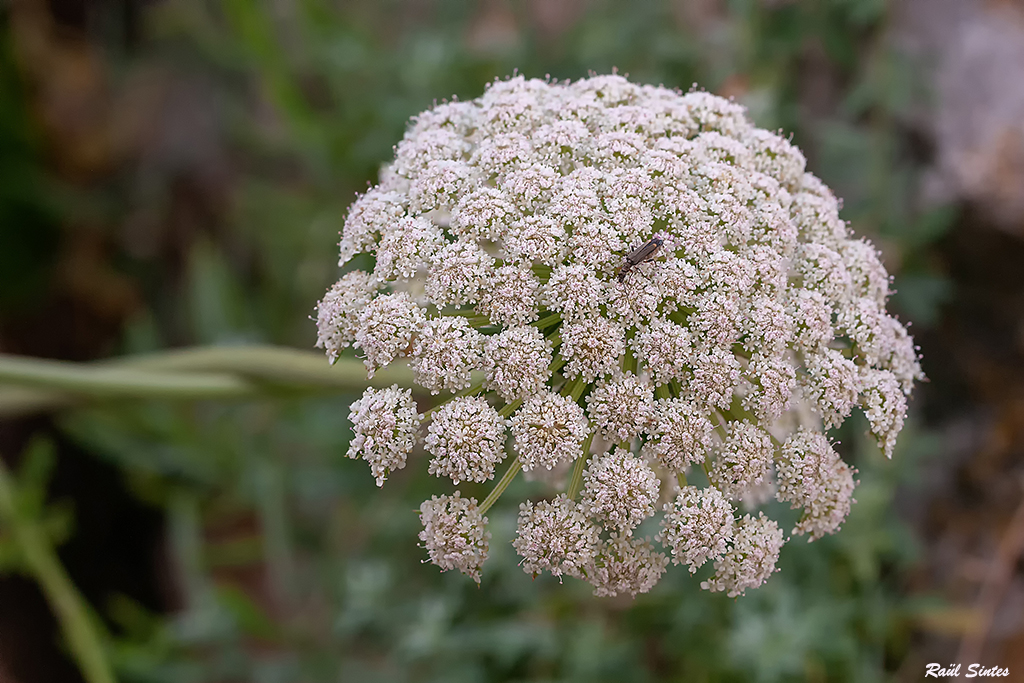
column 289, row 563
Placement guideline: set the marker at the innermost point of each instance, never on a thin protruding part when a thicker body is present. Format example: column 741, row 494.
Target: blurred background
column 175, row 173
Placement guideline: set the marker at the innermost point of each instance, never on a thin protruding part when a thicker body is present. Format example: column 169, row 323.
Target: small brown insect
column 645, row 252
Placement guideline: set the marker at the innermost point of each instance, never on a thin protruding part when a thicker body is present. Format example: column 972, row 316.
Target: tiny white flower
column 774, row 379
column 624, row 564
column 510, row 297
column 816, row 214
column 467, row 439
column 574, row 291
column 716, row 373
column 386, row 328
column 777, row 157
column 457, row 273
column 384, row 426
column 455, row 534
column 485, row 213
column 884, row 405
column 593, row 348
column 697, row 526
column 743, row 460
column 548, row 429
column 369, row 217
column 534, row 239
column 812, row 476
column 337, row 314
column 555, row 536
column 812, row 315
column 750, row 560
column 832, row 382
column 445, row 353
column 619, row 490
column 665, row 348
column 681, row 432
column 516, row 362
column 622, row 406
column 407, row 247
column 867, row 274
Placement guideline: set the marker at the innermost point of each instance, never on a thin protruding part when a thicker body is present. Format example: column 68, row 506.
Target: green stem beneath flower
column 542, row 272
column 510, row 408
column 576, row 481
column 629, row 361
column 502, row 484
column 548, row 320
column 570, row 386
column 219, row 372
column 677, row 388
column 578, row 390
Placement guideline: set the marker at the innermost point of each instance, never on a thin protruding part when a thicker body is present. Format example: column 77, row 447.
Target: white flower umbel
column 384, row 425
column 547, row 430
column 467, row 439
column 516, row 362
column 386, row 328
column 510, row 297
column 682, row 434
column 621, row 407
column 455, row 534
column 624, row 564
column 446, row 352
column 619, row 490
column 743, row 461
column 575, row 291
column 812, row 476
column 555, row 536
column 647, row 254
column 697, row 526
column 337, row 314
column 751, row 558
column 885, row 407
column 592, row 348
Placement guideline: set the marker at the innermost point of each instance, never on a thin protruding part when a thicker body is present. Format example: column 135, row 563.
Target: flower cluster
column 631, row 280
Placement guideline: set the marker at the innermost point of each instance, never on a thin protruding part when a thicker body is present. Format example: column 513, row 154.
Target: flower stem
column 570, row 386
column 502, row 484
column 510, row 408
column 220, row 372
column 677, row 389
column 557, row 364
column 548, row 320
column 578, row 390
column 576, row 481
column 629, row 362
column 542, row 272
column 76, row 622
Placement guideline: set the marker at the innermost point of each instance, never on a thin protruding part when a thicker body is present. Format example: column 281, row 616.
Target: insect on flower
column 644, row 252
